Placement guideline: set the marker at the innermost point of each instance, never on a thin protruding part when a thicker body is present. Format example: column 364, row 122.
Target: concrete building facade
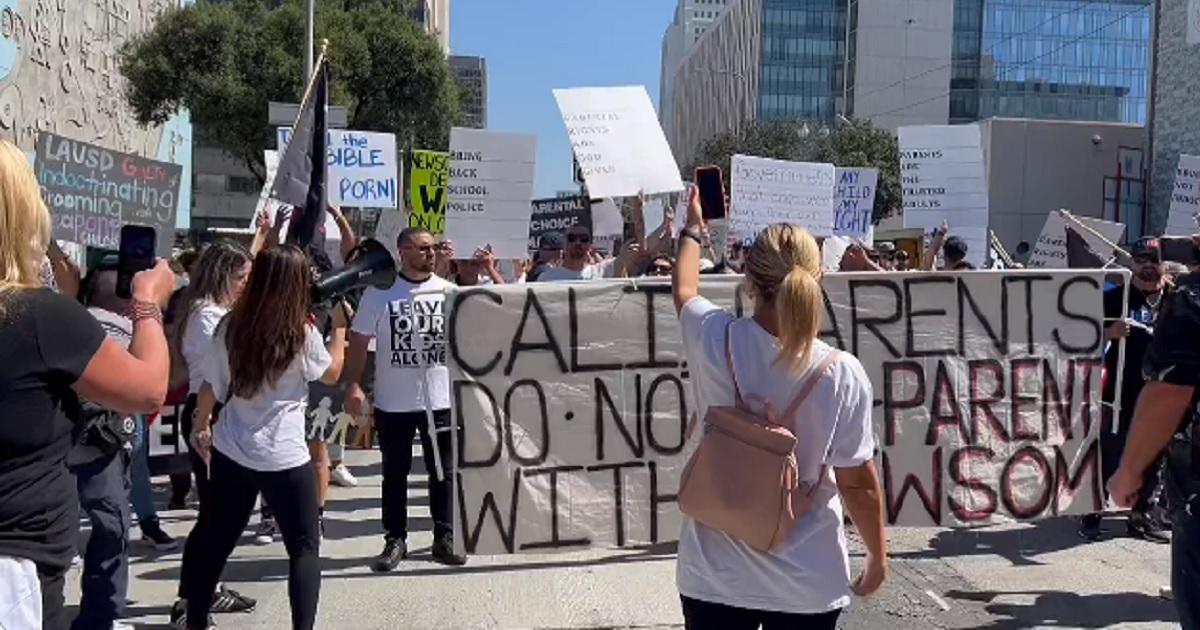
column 471, row 73
column 59, row 73
column 691, row 20
column 434, row 15
column 1174, row 126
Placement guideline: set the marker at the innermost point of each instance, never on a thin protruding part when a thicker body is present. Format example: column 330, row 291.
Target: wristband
column 693, row 234
column 139, row 310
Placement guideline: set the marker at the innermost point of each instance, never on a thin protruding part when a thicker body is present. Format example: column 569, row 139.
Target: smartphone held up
column 136, row 253
column 711, row 189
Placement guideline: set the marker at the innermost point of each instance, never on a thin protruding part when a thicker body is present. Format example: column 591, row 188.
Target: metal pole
column 846, row 62
column 308, row 42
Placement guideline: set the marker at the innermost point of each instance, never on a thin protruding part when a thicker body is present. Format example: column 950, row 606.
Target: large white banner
column 363, row 170
column 574, row 400
column 1050, row 251
column 1184, row 215
column 765, row 191
column 943, row 177
column 618, row 142
column 489, row 192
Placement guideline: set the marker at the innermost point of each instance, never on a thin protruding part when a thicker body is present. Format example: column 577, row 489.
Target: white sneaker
column 340, row 476
column 267, row 529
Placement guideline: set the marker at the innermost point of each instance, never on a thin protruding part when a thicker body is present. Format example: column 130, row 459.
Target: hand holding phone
column 136, row 254
column 712, row 193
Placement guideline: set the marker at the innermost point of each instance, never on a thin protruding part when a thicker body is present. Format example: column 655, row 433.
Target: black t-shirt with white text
column 1143, row 313
column 46, row 343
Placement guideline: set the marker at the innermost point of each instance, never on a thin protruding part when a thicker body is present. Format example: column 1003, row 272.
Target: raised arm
column 685, row 284
column 935, row 246
column 135, row 381
column 349, row 240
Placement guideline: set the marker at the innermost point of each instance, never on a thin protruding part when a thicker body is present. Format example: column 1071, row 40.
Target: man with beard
column 1135, row 325
column 412, row 392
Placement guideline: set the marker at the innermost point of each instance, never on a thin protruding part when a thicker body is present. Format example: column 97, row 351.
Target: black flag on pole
column 1081, row 255
column 303, row 167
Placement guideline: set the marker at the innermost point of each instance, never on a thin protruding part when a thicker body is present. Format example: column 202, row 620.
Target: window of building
column 244, row 185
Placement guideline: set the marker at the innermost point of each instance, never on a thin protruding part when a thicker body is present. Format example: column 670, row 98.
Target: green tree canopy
column 854, row 143
column 225, row 61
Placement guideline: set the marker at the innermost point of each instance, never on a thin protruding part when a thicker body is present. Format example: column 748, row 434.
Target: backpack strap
column 810, row 383
column 737, row 391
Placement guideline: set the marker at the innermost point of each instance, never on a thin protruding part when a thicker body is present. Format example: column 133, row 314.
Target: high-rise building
column 434, row 15
column 692, row 19
column 906, row 62
column 1173, row 123
column 471, row 74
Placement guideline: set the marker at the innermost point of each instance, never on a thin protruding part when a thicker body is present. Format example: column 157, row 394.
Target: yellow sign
column 427, row 195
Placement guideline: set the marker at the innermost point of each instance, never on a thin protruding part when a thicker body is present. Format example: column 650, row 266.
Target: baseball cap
column 1146, row 246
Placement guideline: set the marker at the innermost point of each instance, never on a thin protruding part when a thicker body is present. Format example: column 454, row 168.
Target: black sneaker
column 1146, row 528
column 443, row 551
column 1089, row 527
column 227, row 600
column 394, row 550
column 154, row 536
column 179, row 617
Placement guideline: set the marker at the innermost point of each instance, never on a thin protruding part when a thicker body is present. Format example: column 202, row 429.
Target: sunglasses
column 660, row 270
column 579, row 238
column 1146, row 260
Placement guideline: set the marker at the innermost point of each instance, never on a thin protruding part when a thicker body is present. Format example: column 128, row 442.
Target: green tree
column 853, row 143
column 225, row 61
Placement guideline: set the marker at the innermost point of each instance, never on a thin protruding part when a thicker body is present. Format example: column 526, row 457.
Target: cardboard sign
column 363, row 170
column 489, row 191
column 427, row 192
column 764, row 191
column 574, row 401
column 1050, row 252
column 618, row 142
column 854, row 201
column 557, row 215
column 943, row 177
column 92, row 192
column 1184, row 216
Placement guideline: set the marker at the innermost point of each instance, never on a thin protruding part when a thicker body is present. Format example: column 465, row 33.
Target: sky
column 535, row 46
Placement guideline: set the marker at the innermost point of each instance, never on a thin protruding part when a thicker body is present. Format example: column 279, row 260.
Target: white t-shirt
column 197, row 340
column 410, row 330
column 810, row 571
column 266, row 432
column 597, row 271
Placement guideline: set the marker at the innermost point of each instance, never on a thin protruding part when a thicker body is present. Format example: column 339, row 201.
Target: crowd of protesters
column 229, row 334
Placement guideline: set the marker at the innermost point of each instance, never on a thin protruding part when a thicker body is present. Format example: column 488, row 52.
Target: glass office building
column 804, row 45
column 1056, row 59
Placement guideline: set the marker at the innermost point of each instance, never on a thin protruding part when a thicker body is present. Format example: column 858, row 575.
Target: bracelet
column 139, row 310
column 693, row 234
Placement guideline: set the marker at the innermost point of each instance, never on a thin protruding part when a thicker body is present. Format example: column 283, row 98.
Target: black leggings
column 181, row 483
column 702, row 615
column 293, row 497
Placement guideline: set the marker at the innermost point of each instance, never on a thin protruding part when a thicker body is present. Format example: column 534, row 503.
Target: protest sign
column 1050, row 252
column 92, row 192
column 489, row 190
column 388, row 229
column 617, row 141
column 607, row 219
column 271, row 161
column 362, row 168
column 942, row 176
column 557, row 215
column 854, row 201
column 1184, row 215
column 764, row 191
column 574, row 401
column 427, row 190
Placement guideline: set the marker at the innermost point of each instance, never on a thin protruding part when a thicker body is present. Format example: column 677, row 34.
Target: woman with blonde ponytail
column 775, row 361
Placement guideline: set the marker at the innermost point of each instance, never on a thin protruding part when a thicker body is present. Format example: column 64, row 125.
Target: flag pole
column 1004, row 255
column 312, row 82
column 1066, row 214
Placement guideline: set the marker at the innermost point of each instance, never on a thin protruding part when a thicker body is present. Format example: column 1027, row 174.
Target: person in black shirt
column 1135, row 325
column 1168, row 416
column 52, row 352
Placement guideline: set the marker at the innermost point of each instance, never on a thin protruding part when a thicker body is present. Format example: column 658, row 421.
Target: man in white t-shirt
column 411, row 384
column 576, row 260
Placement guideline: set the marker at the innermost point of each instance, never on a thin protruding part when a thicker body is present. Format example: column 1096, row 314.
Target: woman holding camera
column 264, row 355
column 51, row 353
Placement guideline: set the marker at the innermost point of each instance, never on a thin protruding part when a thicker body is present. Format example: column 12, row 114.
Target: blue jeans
column 1185, row 563
column 141, row 493
column 104, row 496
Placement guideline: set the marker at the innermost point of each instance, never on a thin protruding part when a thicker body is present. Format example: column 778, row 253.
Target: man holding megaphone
column 412, row 392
